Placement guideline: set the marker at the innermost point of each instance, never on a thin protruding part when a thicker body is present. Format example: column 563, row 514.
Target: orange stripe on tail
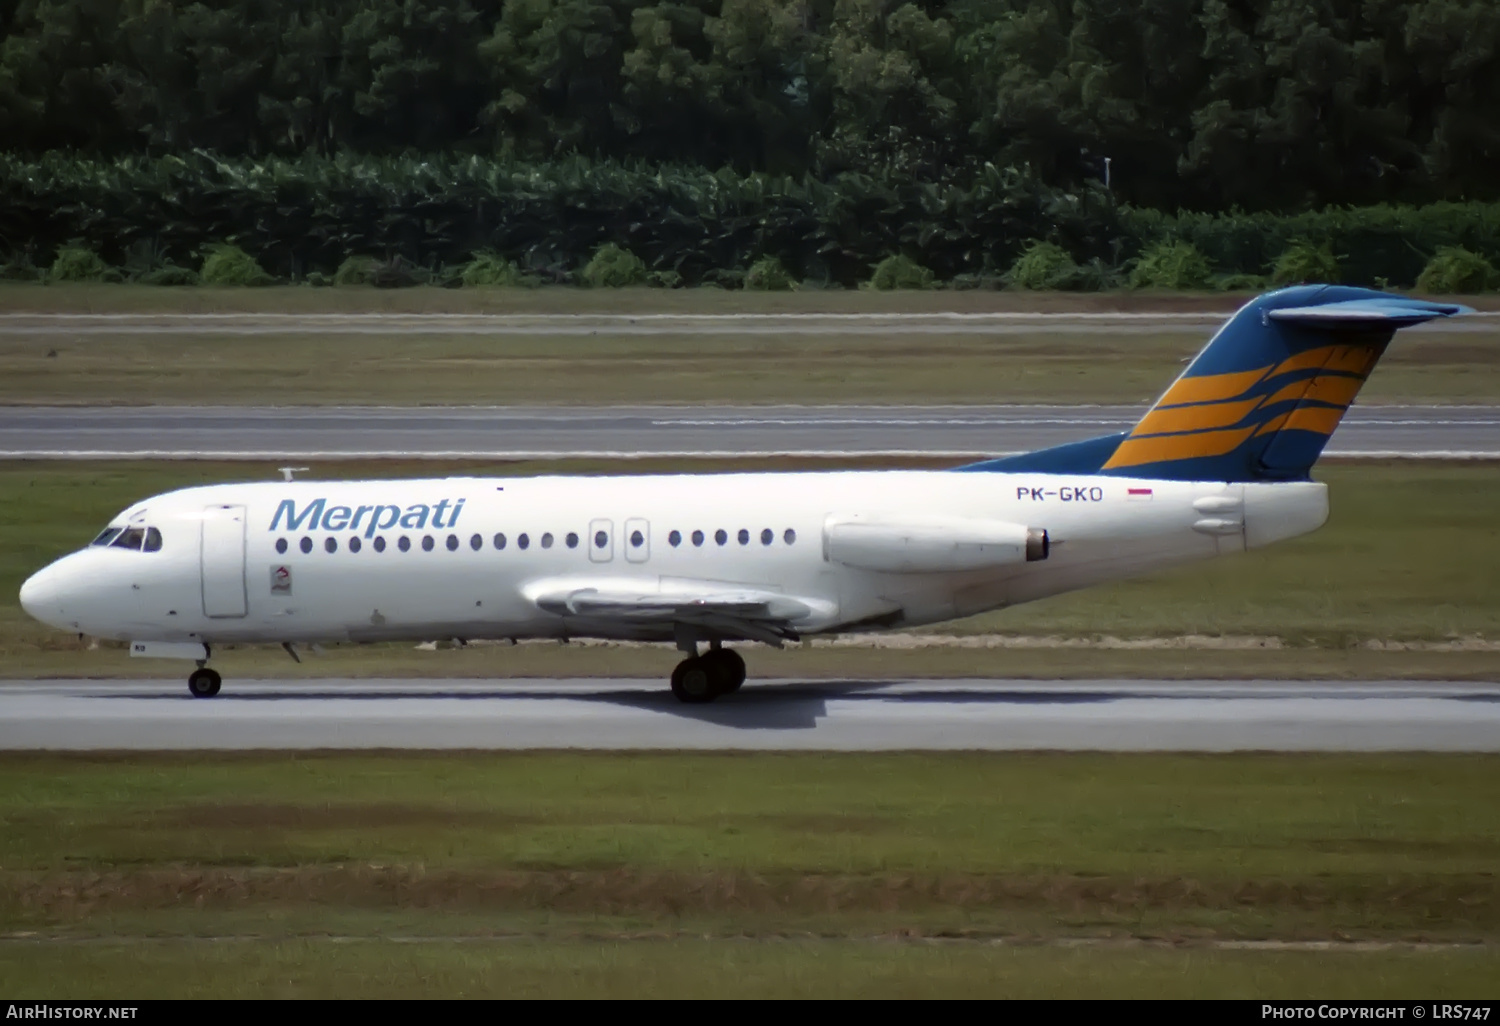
column 1134, row 451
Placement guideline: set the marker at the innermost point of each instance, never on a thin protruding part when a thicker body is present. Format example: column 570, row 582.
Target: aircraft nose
column 41, row 596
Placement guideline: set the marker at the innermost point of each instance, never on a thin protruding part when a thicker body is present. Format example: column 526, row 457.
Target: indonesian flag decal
column 1138, row 494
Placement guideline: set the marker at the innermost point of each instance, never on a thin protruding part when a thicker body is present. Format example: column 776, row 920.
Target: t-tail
column 1261, row 400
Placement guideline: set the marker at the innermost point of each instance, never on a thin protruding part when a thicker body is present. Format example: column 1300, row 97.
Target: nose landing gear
column 698, row 679
column 204, row 683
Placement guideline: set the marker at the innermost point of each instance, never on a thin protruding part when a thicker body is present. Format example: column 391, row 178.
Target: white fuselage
column 274, row 561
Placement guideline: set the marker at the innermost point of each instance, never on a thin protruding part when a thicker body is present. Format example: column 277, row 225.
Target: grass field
column 1409, row 555
column 1098, row 367
column 784, row 874
column 20, row 297
column 707, row 969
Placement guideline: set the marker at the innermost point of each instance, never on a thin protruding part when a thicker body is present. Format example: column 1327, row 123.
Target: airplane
column 1221, row 463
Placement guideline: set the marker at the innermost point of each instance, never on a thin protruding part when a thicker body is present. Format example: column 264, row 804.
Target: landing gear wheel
column 731, row 667
column 697, row 680
column 204, row 683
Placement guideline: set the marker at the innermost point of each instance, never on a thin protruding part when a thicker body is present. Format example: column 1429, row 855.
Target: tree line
column 1207, row 105
column 409, row 220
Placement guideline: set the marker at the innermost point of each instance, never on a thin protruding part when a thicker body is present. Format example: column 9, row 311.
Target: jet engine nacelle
column 929, row 544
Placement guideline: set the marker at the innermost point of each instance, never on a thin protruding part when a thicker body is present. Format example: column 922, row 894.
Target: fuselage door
column 601, row 540
column 222, row 552
column 637, row 540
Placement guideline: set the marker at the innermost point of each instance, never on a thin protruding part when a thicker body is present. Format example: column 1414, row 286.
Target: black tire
column 204, row 683
column 696, row 680
column 731, row 667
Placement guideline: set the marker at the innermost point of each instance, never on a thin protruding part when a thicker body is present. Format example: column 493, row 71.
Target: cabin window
column 403, row 543
column 697, row 537
column 476, row 542
column 427, row 543
column 106, row 536
column 547, row 540
column 453, row 543
column 354, row 544
column 721, row 536
column 744, row 536
column 330, row 544
column 305, row 545
column 601, row 539
column 674, row 539
column 522, row 541
column 499, row 541
column 380, row 543
column 280, row 544
column 789, row 536
column 572, row 540
column 766, row 536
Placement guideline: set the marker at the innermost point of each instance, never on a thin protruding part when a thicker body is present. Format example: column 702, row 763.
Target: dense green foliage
column 1196, row 104
column 1044, row 265
column 614, row 268
column 230, row 265
column 491, row 269
column 1455, row 270
column 900, row 272
column 1171, row 265
column 768, row 275
column 310, row 215
column 75, row 262
column 423, row 220
column 1304, row 262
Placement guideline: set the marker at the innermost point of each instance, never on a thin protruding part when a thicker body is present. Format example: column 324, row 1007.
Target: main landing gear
column 204, row 683
column 703, row 678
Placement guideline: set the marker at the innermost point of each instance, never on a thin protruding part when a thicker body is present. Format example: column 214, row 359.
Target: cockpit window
column 153, row 540
column 106, row 536
column 130, row 538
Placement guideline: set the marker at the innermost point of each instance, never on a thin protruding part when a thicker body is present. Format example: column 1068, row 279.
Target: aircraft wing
column 751, row 612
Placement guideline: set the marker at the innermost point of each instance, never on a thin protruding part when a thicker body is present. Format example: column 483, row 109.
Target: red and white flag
column 1138, row 494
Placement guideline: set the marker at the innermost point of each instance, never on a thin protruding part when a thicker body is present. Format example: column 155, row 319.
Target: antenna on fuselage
column 287, row 472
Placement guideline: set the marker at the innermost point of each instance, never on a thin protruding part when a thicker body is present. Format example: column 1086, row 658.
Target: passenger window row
column 721, row 537
column 500, row 541
column 453, row 543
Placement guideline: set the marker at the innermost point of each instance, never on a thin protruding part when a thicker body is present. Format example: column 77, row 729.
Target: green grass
column 97, row 297
column 770, row 874
column 1409, row 554
column 1324, row 821
column 473, row 369
column 94, row 297
column 706, row 969
column 1098, row 367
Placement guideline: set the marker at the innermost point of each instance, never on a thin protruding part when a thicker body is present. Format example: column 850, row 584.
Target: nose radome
column 39, row 595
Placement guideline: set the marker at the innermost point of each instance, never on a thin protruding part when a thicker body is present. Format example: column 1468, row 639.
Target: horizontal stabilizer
column 1353, row 314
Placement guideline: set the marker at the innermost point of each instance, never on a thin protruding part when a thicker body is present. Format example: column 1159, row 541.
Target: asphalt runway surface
column 305, row 433
column 1107, row 715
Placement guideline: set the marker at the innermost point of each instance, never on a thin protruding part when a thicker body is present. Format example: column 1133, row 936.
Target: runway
column 1108, row 715
column 307, row 433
